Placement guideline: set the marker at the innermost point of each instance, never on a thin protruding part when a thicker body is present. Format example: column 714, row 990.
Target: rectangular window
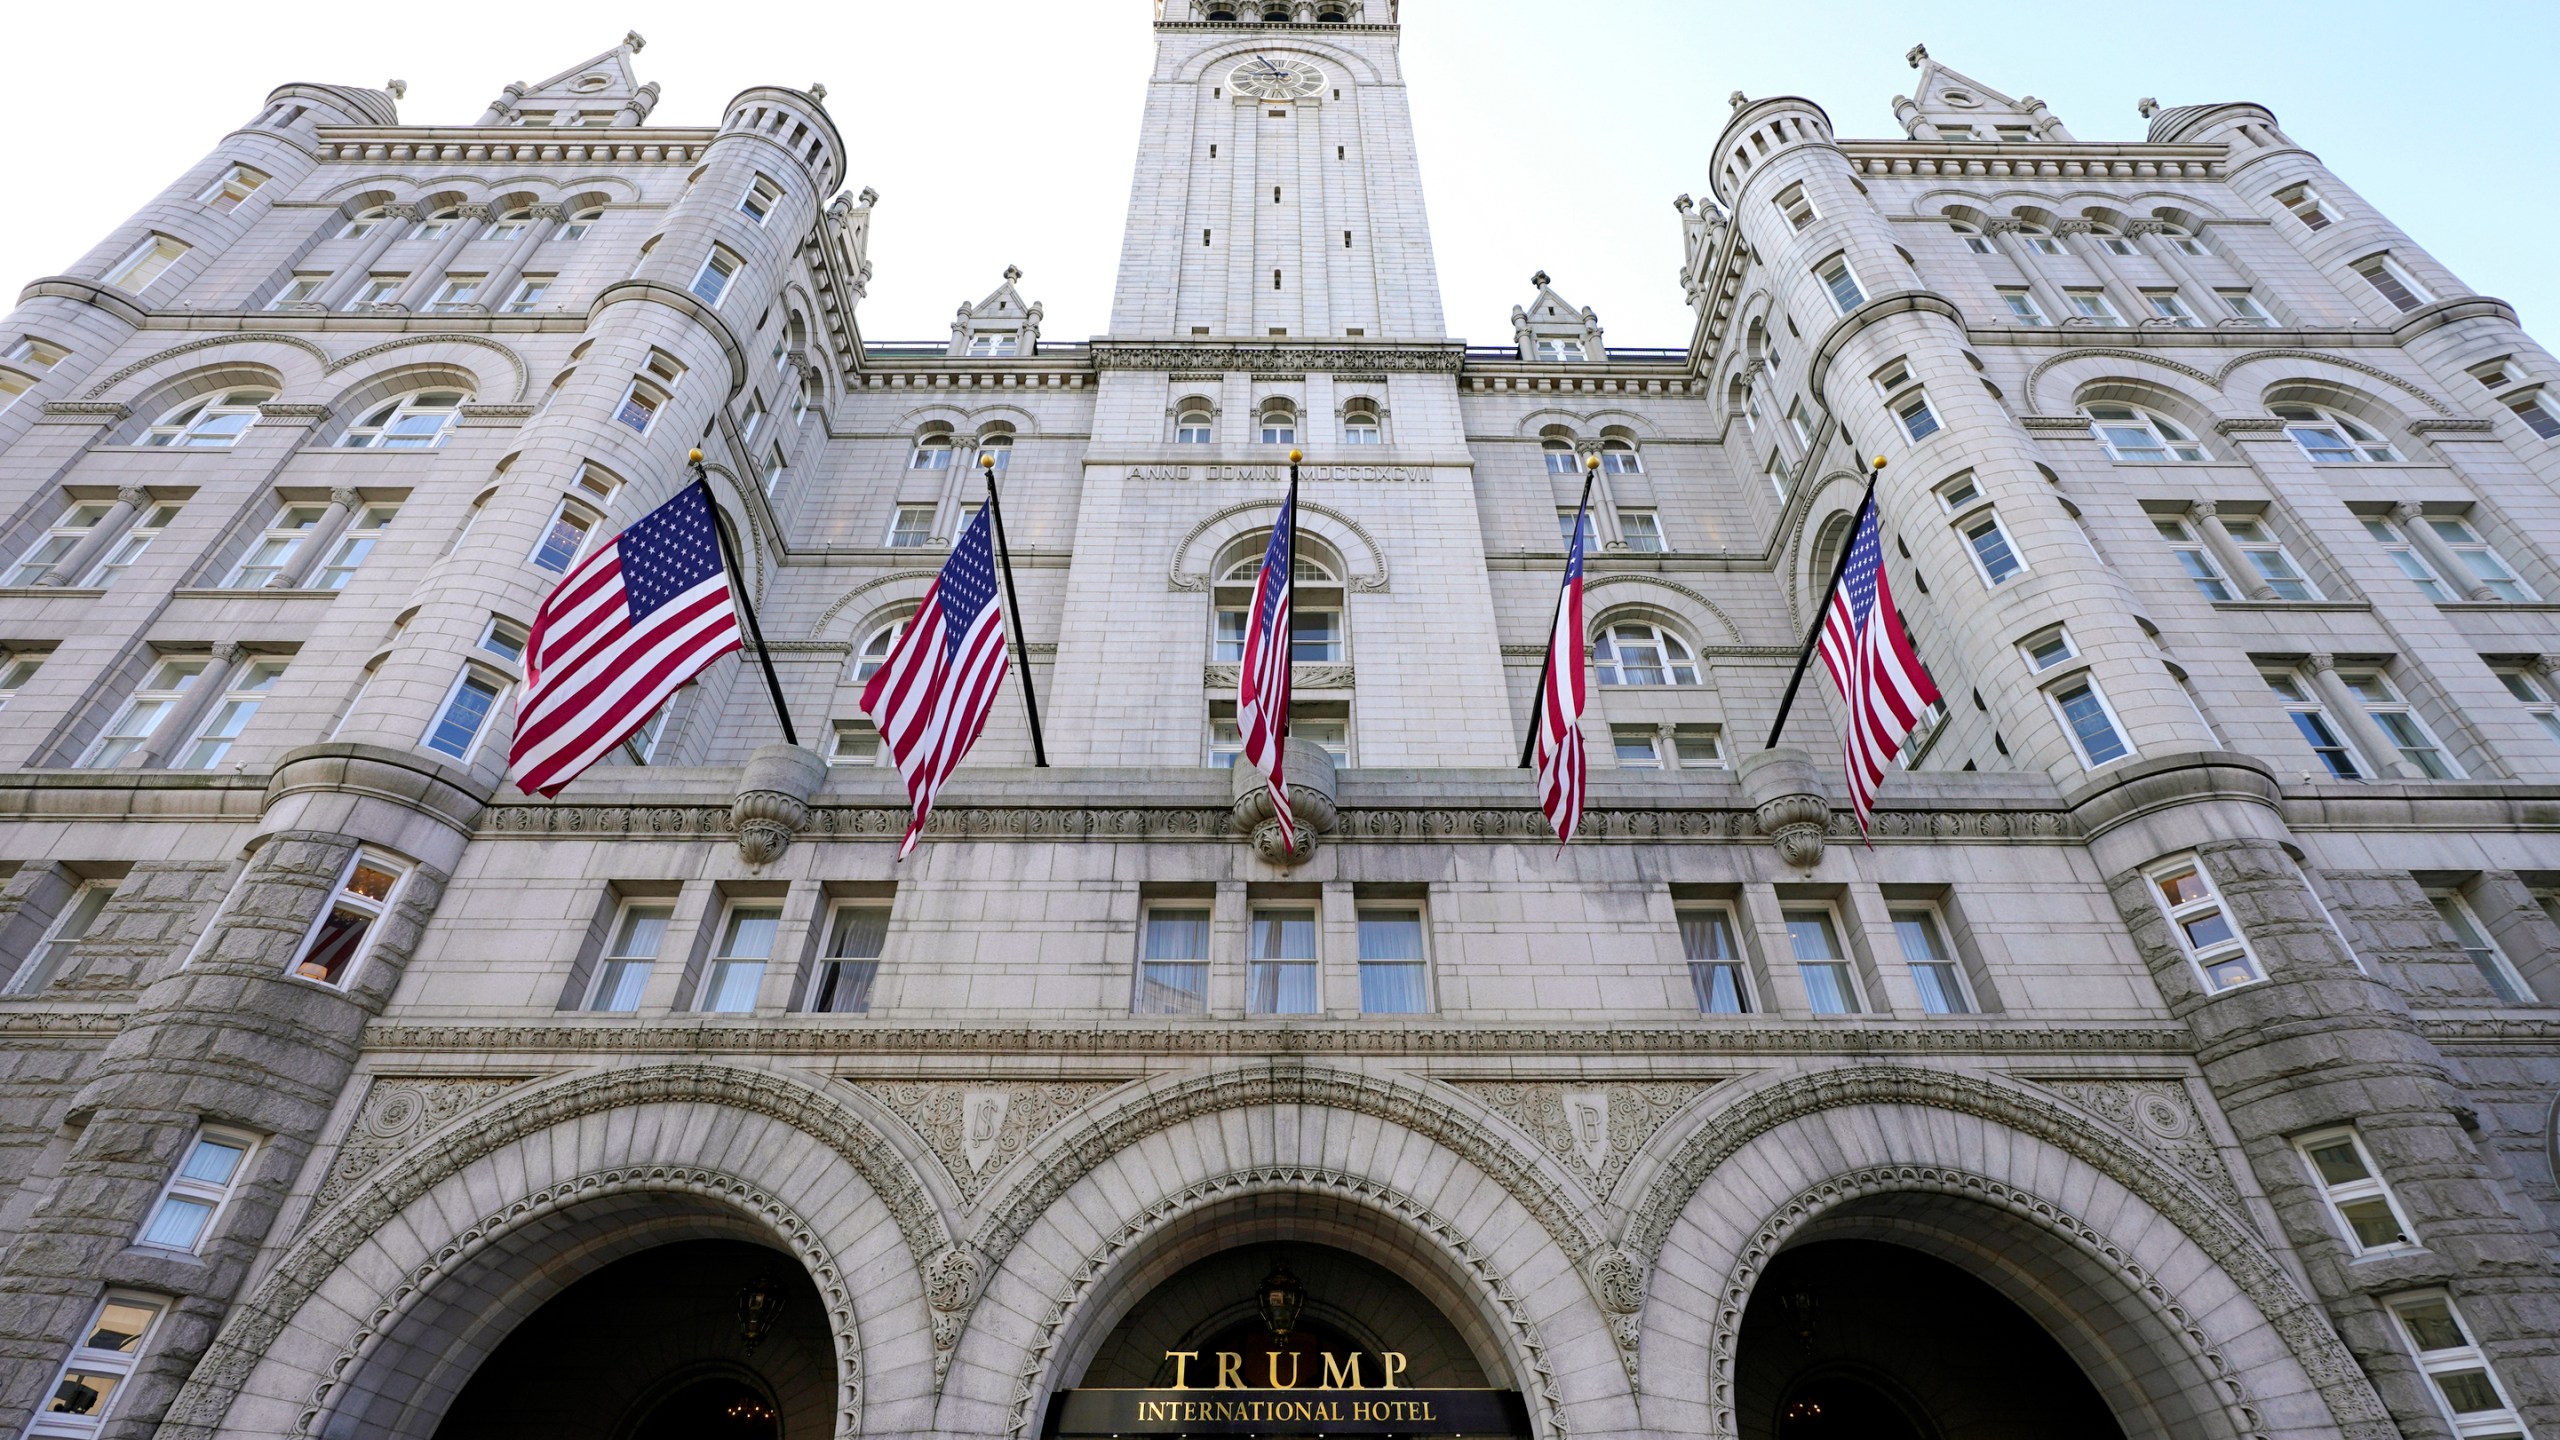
column 2048, row 648
column 1698, row 747
column 84, row 1394
column 1635, row 747
column 17, row 669
column 2468, row 1389
column 163, row 690
column 376, row 290
column 299, row 290
column 1919, row 421
column 565, row 537
column 2400, row 724
column 2193, row 558
column 72, row 924
column 136, row 540
column 1280, row 969
column 1776, row 471
column 274, row 552
column 236, row 184
column 2166, row 305
column 250, row 687
column 2368, row 1217
column 2311, row 719
column 2022, row 307
column 2479, row 948
column 2203, row 926
column 1796, row 422
column 1394, row 976
column 856, row 742
column 529, row 292
column 1715, row 962
column 145, row 263
column 2412, row 566
column 363, row 532
column 737, row 965
column 1565, row 351
column 2245, row 306
column 1643, row 530
column 2529, row 686
column 1842, row 283
column 1934, row 971
column 757, row 204
column 776, row 470
column 1815, row 938
column 639, row 932
column 2487, row 569
column 1564, row 536
column 1793, row 203
column 1173, row 962
column 64, row 536
column 2304, row 202
column 196, row 1194
column 1960, row 134
column 337, row 940
column 2090, row 722
column 911, row 528
column 467, row 708
column 2093, row 305
column 2267, row 555
column 712, row 280
column 456, row 292
column 856, row 933
column 1992, row 552
column 2537, row 413
column 2392, row 283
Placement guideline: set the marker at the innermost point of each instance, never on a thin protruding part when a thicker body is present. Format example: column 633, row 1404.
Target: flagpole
column 1291, row 580
column 1538, row 697
column 1822, row 613
column 1013, row 613
column 738, row 589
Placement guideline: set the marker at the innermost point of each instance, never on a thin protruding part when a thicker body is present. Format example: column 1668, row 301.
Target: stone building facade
column 2177, row 1058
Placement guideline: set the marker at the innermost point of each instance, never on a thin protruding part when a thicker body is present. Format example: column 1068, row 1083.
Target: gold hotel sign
column 1212, row 1395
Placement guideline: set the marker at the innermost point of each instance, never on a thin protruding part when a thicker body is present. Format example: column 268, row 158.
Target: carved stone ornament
column 1597, row 1127
column 2161, row 1118
column 1786, row 798
column 773, row 800
column 976, row 1128
column 1309, row 769
column 399, row 1111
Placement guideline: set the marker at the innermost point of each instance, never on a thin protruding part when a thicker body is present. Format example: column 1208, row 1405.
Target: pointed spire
column 1947, row 104
column 603, row 90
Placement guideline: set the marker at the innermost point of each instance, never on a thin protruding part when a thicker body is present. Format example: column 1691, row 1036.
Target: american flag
column 1560, row 760
column 930, row 698
column 1262, row 689
column 1870, row 658
column 625, row 629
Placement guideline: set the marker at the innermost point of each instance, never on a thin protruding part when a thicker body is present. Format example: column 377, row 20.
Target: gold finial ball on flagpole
column 1296, row 455
column 986, row 462
column 1877, row 463
column 1590, row 462
column 694, row 456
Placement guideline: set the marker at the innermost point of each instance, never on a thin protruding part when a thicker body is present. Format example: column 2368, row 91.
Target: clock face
column 1265, row 78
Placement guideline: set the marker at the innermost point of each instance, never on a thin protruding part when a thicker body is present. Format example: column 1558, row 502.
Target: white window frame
column 855, row 744
column 298, row 288
column 169, row 697
column 247, row 688
column 144, row 264
column 2244, row 305
column 1643, row 529
column 2270, row 557
column 1557, row 452
column 1196, row 967
column 2439, row 1364
column 1975, row 531
column 471, row 670
column 214, row 421
column 720, row 270
column 272, row 554
column 78, row 519
column 457, row 291
column 383, row 428
column 2305, row 703
column 18, row 667
column 763, row 193
column 70, row 925
column 2305, row 204
column 2340, row 1194
column 580, row 224
column 777, row 468
column 215, row 1197
column 509, row 225
column 86, row 1359
column 1702, row 978
column 2355, row 443
column 1385, row 911
column 1974, row 240
column 369, row 908
column 618, row 963
column 2479, row 557
column 528, row 293
column 1556, row 351
column 2386, row 277
column 1361, row 426
column 1620, row 457
column 376, row 290
column 836, row 977
column 1186, row 433
column 995, row 345
column 1277, row 425
column 2129, row 433
column 2480, row 947
column 2406, row 557
column 354, row 545
column 2533, row 689
column 2064, row 648
column 154, row 519
column 723, row 962
column 2195, row 559
column 920, row 533
column 2055, row 700
column 2534, row 408
column 2232, row 955
column 2389, row 705
column 1839, row 280
column 2091, row 303
column 1626, row 740
column 1843, row 967
column 1279, row 914
column 570, row 510
column 1944, row 990
column 1676, row 652
column 2169, row 305
column 1796, row 205
column 2022, row 305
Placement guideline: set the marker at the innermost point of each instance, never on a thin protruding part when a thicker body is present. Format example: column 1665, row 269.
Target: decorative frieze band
column 1269, row 359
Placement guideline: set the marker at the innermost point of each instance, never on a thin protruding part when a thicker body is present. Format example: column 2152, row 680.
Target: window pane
column 213, row 1161
column 2338, row 1163
column 1177, row 935
column 1390, row 935
column 121, row 1327
column 644, row 929
column 1284, row 935
column 1940, row 994
column 1826, row 987
column 463, row 717
column 335, row 947
column 844, row 987
column 82, row 1392
column 372, row 882
column 620, row 984
column 1811, row 933
column 1391, row 989
column 2468, row 1391
column 859, row 933
column 1719, row 989
column 1707, row 935
column 2432, row 1325
column 1172, row 989
column 2373, row 1222
column 177, row 1223
column 1275, row 988
column 750, row 932
column 2090, row 722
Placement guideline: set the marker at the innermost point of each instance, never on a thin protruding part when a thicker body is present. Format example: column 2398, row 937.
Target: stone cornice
column 686, row 303
column 2042, row 159
column 518, row 145
column 88, row 292
column 1411, row 358
column 838, row 1035
column 1883, row 307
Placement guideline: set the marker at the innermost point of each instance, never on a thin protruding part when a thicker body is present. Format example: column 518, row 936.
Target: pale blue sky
column 1553, row 132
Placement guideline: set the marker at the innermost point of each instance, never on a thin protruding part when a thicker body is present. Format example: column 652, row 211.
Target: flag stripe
column 1882, row 682
column 932, row 696
column 1561, row 764
column 1263, row 680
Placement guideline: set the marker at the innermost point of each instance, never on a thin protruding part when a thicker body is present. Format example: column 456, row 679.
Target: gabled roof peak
column 1947, row 104
column 602, row 89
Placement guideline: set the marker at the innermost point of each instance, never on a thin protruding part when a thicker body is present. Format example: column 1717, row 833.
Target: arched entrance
column 692, row 1340
column 1862, row 1339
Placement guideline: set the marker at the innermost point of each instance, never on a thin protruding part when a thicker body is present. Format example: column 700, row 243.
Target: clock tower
column 1277, row 188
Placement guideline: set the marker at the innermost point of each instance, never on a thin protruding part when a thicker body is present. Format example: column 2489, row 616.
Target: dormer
column 602, row 92
column 1953, row 106
column 1553, row 329
column 1000, row 327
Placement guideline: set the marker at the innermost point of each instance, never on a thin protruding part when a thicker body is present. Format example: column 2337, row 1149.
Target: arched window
column 2140, row 436
column 510, row 225
column 1333, row 15
column 933, row 452
column 1639, row 652
column 1315, row 608
column 582, row 222
column 997, row 447
column 1974, row 240
column 2330, row 438
column 1279, row 423
column 419, row 420
column 1559, row 453
column 1275, row 13
column 1221, row 15
column 209, row 422
column 874, row 650
column 364, row 220
column 2186, row 242
column 1619, row 457
column 2040, row 240
column 1192, row 427
column 2115, row 243
column 438, row 224
column 1360, row 425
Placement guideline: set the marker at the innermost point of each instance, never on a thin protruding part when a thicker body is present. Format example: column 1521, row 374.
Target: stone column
column 2244, row 577
column 130, row 500
column 637, row 108
column 422, row 285
column 2101, row 263
column 342, row 506
column 504, row 275
column 2048, row 299
column 199, row 700
column 2350, row 711
column 503, row 109
column 335, row 293
column 2457, row 576
column 1604, row 498
column 2198, row 295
